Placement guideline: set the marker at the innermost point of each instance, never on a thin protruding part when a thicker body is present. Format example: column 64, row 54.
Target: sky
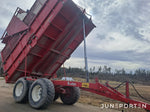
column 120, row 39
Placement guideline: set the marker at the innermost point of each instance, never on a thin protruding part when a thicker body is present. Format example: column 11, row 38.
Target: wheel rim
column 36, row 93
column 19, row 89
column 68, row 92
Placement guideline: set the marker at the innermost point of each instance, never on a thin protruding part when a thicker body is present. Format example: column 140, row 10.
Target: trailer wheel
column 56, row 96
column 41, row 93
column 72, row 95
column 20, row 91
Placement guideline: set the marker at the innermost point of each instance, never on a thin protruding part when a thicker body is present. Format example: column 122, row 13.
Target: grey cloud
column 129, row 55
column 1, row 31
column 125, row 18
column 100, row 36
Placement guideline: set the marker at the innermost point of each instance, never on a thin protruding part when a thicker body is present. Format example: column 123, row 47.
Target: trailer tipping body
column 38, row 41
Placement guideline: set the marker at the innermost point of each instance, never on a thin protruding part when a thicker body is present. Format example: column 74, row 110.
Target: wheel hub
column 19, row 89
column 36, row 93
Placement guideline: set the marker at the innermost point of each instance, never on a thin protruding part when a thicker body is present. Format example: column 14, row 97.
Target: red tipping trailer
column 37, row 42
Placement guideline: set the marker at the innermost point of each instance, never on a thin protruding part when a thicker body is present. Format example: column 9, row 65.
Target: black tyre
column 41, row 93
column 20, row 92
column 56, row 96
column 72, row 95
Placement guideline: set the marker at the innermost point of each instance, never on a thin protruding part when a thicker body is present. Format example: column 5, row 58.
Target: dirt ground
column 7, row 104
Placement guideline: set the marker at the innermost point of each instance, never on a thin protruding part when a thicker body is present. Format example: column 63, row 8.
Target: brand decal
column 71, row 84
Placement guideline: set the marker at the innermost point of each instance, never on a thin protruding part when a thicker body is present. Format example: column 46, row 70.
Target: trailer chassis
column 100, row 89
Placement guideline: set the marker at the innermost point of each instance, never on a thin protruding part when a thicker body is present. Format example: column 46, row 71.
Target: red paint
column 100, row 89
column 127, row 89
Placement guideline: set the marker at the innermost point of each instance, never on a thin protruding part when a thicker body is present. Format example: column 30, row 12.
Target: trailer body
column 38, row 41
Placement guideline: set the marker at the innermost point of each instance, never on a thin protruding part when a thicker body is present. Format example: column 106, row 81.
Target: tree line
column 141, row 76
